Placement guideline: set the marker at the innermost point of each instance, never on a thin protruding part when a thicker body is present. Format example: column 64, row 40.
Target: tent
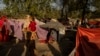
column 88, row 42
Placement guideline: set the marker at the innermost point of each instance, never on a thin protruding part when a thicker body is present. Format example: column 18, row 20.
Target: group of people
column 27, row 29
column 13, row 29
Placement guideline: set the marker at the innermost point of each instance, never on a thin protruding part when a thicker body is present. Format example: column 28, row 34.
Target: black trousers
column 30, row 44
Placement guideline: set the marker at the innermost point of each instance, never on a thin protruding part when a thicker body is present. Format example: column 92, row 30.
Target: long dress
column 41, row 33
column 5, row 32
column 18, row 30
column 1, row 25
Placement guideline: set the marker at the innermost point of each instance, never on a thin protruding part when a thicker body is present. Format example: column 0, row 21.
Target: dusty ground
column 61, row 48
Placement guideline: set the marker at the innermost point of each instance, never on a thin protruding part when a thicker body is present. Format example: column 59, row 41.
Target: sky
column 1, row 5
column 56, row 4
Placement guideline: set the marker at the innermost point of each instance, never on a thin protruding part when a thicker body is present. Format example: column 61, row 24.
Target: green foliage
column 76, row 8
column 41, row 8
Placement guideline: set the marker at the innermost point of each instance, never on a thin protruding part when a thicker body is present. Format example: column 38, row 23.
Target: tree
column 68, row 8
column 96, row 9
column 41, row 8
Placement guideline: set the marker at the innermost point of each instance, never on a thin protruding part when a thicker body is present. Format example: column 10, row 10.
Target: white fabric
column 72, row 53
column 54, row 35
column 39, row 22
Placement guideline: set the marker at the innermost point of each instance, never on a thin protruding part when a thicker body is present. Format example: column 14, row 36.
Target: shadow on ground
column 66, row 44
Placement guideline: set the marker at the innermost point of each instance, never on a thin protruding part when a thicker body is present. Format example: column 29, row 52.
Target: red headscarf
column 3, row 18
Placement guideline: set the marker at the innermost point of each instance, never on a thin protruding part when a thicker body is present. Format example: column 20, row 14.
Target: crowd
column 14, row 29
column 30, row 29
column 27, row 29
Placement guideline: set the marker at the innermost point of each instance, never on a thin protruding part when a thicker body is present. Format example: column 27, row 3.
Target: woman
column 32, row 29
